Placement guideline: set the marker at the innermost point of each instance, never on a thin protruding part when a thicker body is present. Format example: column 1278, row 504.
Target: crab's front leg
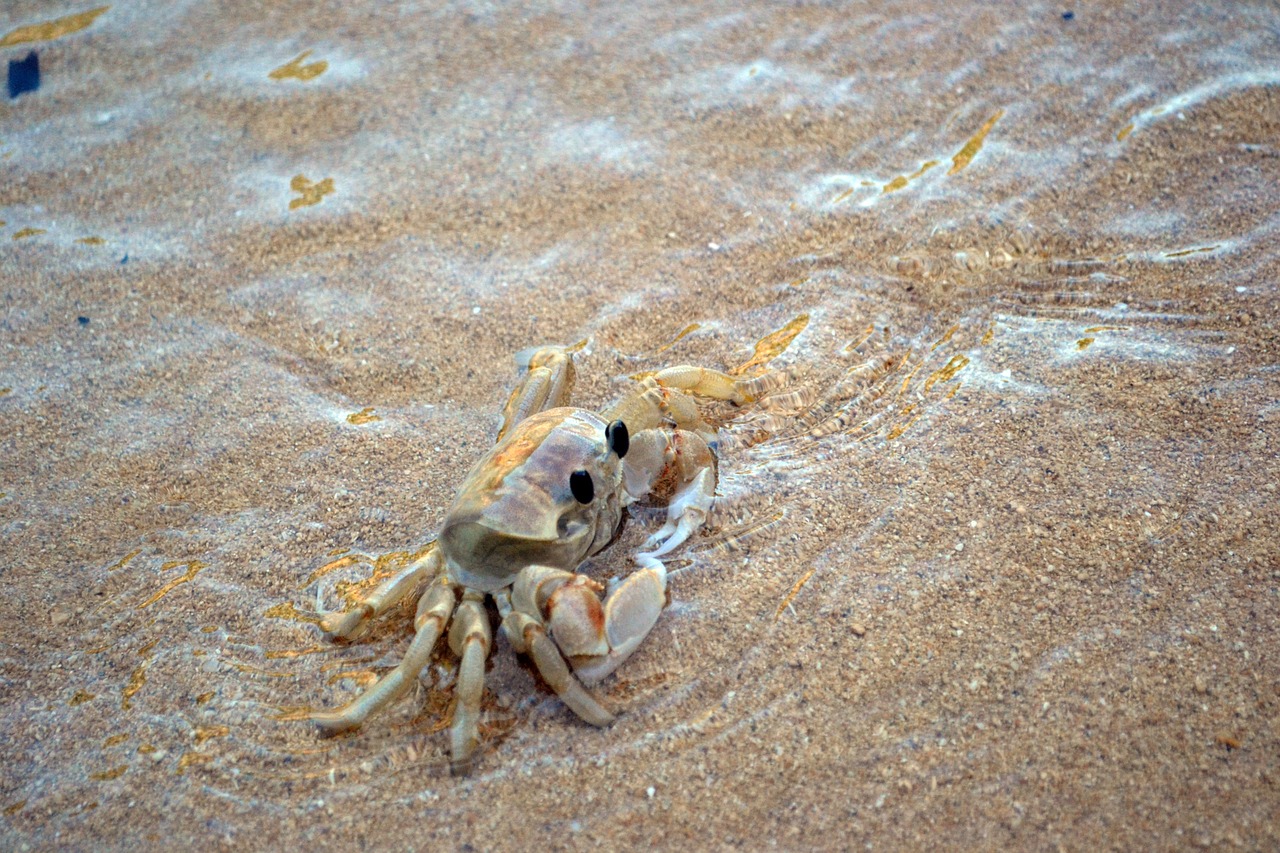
column 686, row 458
column 523, row 625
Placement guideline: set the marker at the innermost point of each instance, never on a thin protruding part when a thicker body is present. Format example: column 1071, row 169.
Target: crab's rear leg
column 668, row 397
column 547, row 384
column 434, row 608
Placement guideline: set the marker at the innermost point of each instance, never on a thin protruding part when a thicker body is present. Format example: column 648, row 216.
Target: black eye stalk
column 582, row 487
column 618, row 437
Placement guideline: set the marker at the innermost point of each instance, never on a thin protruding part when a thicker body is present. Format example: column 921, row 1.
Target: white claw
column 685, row 514
column 630, row 612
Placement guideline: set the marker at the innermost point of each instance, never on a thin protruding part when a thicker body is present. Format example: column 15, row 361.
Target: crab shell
column 516, row 508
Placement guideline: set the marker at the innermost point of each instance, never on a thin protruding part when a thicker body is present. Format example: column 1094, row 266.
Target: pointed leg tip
column 329, row 724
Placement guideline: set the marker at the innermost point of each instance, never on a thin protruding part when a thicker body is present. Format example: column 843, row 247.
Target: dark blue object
column 1066, row 16
column 24, row 75
column 83, row 321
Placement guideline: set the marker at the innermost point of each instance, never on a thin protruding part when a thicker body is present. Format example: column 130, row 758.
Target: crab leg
column 685, row 514
column 470, row 638
column 434, row 608
column 548, row 384
column 352, row 623
column 666, row 396
column 688, row 455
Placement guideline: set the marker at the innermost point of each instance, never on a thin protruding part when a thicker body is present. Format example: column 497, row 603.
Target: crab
column 551, row 493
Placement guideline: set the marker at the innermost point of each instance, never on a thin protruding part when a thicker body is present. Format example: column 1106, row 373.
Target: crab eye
column 582, row 487
column 618, row 437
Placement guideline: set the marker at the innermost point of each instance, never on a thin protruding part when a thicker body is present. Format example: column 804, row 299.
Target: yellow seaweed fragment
column 906, row 383
column 124, row 561
column 842, row 196
column 80, row 698
column 902, row 180
column 947, row 371
column 91, row 241
column 364, row 416
column 362, row 677
column 288, row 611
column 1124, row 132
column 294, row 69
column 774, row 344
column 50, row 30
column 687, row 330
column 309, row 192
column 989, row 335
column 108, row 775
column 971, row 148
column 194, row 567
column 795, row 590
column 115, row 740
column 136, row 679
column 28, row 232
column 897, row 431
column 853, row 346
column 1083, row 343
column 190, row 759
column 945, row 338
column 10, row 811
column 275, row 654
column 1181, row 254
column 204, row 733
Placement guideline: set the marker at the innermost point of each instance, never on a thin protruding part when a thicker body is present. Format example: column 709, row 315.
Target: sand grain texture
column 1022, row 587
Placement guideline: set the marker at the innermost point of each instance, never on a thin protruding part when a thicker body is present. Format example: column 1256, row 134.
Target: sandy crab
column 551, row 493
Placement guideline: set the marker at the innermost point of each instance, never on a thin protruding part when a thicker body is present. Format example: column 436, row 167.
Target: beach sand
column 1012, row 582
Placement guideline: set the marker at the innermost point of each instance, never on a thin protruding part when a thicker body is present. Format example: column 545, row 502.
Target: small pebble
column 858, row 629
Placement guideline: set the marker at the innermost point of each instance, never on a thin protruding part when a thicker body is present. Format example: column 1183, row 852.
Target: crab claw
column 597, row 636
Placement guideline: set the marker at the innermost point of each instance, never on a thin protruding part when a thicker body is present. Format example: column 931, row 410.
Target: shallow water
column 1012, row 579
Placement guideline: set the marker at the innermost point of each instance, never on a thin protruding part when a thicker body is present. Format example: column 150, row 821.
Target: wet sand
column 1011, row 582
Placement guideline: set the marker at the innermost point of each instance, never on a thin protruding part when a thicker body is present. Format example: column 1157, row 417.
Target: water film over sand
column 1004, row 575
